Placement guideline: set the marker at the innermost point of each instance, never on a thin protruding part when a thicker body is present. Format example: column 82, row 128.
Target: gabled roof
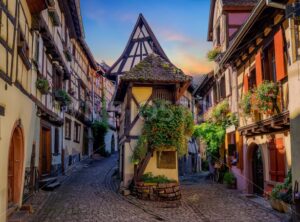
column 142, row 43
column 155, row 70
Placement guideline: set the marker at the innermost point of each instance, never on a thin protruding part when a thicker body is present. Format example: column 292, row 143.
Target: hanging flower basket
column 213, row 54
column 42, row 85
column 266, row 96
column 62, row 97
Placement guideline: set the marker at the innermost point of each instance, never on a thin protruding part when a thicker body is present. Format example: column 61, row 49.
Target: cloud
column 190, row 64
column 174, row 36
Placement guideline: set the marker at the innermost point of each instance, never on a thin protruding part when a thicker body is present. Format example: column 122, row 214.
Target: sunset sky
column 179, row 25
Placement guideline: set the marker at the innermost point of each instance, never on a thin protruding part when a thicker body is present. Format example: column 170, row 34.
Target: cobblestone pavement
column 89, row 195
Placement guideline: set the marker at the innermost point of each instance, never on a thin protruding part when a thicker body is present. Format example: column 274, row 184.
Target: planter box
column 279, row 205
column 158, row 191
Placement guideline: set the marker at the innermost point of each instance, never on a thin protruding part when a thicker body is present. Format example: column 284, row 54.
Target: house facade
column 133, row 92
column 47, row 76
column 262, row 53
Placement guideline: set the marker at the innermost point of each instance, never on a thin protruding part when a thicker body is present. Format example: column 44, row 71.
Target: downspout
column 272, row 4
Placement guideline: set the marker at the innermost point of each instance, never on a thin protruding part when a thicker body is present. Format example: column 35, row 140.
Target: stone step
column 18, row 216
column 52, row 186
column 47, row 181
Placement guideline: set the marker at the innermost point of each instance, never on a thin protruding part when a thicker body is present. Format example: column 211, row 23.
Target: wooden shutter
column 259, row 71
column 279, row 55
column 239, row 144
column 246, row 83
column 273, row 161
column 280, row 160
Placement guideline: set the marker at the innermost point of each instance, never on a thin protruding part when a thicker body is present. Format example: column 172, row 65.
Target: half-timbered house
column 260, row 53
column 136, row 88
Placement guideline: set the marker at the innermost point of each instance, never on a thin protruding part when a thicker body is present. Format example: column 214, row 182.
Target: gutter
column 270, row 3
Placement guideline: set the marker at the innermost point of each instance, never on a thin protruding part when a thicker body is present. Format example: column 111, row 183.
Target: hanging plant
column 166, row 126
column 266, row 96
column 42, row 84
column 245, row 103
column 213, row 54
column 62, row 97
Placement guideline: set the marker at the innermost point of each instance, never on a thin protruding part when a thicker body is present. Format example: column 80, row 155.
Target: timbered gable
column 142, row 43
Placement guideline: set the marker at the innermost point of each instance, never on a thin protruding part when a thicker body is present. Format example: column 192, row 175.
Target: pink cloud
column 174, row 36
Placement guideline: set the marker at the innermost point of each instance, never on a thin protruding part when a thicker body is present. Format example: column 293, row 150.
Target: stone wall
column 158, row 191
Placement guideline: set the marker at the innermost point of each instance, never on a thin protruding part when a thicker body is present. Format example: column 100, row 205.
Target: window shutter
column 273, row 161
column 258, row 64
column 239, row 143
column 280, row 160
column 279, row 55
column 246, row 83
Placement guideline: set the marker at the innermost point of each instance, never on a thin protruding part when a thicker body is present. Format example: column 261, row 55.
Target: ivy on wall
column 166, row 126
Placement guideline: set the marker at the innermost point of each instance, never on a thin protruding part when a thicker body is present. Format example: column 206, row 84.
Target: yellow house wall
column 17, row 107
column 152, row 168
column 141, row 94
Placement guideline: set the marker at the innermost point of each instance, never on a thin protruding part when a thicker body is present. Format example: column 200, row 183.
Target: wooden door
column 15, row 168
column 45, row 152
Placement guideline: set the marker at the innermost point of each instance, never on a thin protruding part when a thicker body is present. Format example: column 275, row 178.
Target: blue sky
column 179, row 25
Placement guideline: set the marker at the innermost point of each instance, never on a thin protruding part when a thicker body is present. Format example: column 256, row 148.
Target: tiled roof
column 155, row 69
column 240, row 2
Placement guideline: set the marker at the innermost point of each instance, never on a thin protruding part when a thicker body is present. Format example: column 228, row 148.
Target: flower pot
column 276, row 205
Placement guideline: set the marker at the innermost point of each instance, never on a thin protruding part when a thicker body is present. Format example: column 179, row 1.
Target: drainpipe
column 270, row 3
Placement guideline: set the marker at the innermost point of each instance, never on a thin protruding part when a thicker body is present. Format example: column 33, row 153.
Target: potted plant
column 281, row 195
column 42, row 85
column 62, row 97
column 213, row 54
column 230, row 180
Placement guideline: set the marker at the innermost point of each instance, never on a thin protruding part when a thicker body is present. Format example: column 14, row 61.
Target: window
column 68, row 123
column 222, row 88
column 252, row 79
column 269, row 65
column 57, row 79
column 218, row 35
column 207, row 101
column 56, row 141
column 163, row 94
column 166, row 159
column 77, row 128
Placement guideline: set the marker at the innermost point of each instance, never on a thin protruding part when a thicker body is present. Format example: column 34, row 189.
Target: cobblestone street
column 90, row 195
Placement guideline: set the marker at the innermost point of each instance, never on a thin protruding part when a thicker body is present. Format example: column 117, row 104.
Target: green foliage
column 100, row 129
column 149, row 178
column 213, row 131
column 229, row 178
column 245, row 104
column 212, row 54
column 166, row 126
column 212, row 134
column 284, row 191
column 62, row 97
column 42, row 84
column 266, row 95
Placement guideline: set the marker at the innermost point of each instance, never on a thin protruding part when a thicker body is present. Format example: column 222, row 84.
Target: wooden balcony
column 276, row 123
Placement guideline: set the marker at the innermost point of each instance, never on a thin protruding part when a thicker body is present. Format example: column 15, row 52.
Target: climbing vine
column 166, row 126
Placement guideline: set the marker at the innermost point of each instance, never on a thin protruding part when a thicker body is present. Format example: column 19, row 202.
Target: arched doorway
column 257, row 170
column 15, row 167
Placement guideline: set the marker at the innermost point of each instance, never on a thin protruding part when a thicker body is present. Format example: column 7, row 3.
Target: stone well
column 158, row 191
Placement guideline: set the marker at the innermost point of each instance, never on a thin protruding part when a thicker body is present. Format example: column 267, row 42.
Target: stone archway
column 15, row 166
column 256, row 169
